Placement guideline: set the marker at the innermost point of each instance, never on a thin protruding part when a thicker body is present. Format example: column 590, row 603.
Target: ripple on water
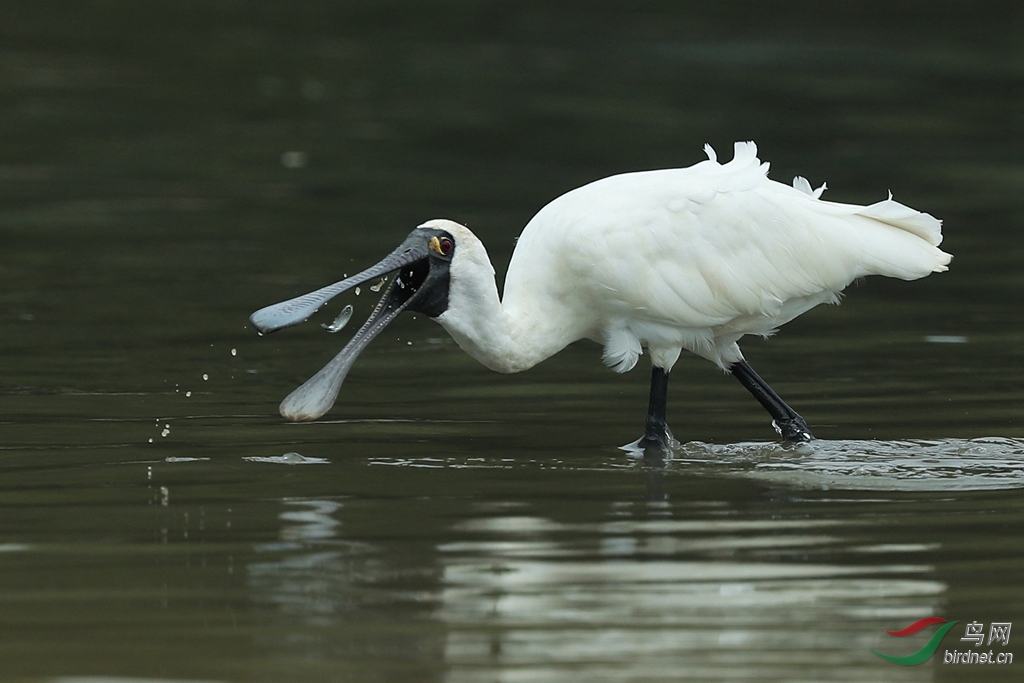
column 291, row 458
column 912, row 465
column 909, row 465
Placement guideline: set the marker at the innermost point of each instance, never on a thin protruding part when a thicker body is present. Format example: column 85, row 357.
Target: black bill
column 421, row 284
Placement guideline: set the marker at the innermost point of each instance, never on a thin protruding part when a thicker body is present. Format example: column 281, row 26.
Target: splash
column 913, row 465
column 339, row 322
column 290, row 458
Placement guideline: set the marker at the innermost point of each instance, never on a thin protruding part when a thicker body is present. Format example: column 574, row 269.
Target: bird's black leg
column 656, row 432
column 787, row 421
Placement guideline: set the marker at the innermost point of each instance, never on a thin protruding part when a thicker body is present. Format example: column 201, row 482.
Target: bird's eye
column 446, row 246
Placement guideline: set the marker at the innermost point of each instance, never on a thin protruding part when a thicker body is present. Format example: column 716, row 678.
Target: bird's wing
column 702, row 246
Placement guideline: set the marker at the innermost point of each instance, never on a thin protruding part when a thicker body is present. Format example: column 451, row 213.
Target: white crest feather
column 802, row 184
column 744, row 152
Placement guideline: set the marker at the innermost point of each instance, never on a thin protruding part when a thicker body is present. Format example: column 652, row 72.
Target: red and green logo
column 922, row 655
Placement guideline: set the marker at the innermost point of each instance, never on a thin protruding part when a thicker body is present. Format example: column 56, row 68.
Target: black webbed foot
column 793, row 429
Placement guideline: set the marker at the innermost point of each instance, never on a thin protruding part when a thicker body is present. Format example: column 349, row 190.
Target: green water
column 167, row 168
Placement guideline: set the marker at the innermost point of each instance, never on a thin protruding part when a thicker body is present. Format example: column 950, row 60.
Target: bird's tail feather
column 924, row 225
column 909, row 253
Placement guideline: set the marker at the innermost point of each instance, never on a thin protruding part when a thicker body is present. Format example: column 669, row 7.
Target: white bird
column 690, row 258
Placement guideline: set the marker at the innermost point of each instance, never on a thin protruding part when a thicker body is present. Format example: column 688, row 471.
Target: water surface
column 164, row 171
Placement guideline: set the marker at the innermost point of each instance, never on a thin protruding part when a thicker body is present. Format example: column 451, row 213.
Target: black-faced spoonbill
column 691, row 258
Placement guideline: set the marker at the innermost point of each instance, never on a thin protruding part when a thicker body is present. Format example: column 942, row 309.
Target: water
column 166, row 171
column 339, row 323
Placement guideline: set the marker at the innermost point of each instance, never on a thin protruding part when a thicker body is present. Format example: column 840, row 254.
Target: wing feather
column 712, row 245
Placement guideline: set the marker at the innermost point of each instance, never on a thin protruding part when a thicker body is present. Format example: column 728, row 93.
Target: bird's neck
column 505, row 338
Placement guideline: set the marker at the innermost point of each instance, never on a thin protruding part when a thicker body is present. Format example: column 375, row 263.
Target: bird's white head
column 469, row 257
column 473, row 314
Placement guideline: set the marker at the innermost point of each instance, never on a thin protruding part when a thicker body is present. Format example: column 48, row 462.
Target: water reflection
column 653, row 590
column 668, row 598
column 318, row 595
column 298, row 579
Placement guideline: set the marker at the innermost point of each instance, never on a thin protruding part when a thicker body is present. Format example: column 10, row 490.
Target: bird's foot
column 657, row 435
column 793, row 429
column 656, row 441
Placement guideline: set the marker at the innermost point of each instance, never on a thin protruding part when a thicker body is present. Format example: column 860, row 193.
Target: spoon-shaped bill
column 294, row 311
column 317, row 395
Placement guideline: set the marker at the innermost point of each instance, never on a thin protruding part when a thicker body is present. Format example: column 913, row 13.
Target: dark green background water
column 168, row 167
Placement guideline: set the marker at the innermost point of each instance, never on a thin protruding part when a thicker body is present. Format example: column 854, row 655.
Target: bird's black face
column 423, row 262
column 425, row 282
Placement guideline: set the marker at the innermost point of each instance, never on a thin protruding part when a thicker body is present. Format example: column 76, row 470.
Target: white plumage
column 691, row 258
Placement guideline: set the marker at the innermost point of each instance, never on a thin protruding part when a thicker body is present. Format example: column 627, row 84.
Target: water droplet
column 165, row 432
column 234, row 352
column 357, row 291
column 150, row 439
column 188, row 394
column 205, row 377
column 376, row 287
column 408, row 343
column 340, row 321
column 165, row 496
column 294, row 159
